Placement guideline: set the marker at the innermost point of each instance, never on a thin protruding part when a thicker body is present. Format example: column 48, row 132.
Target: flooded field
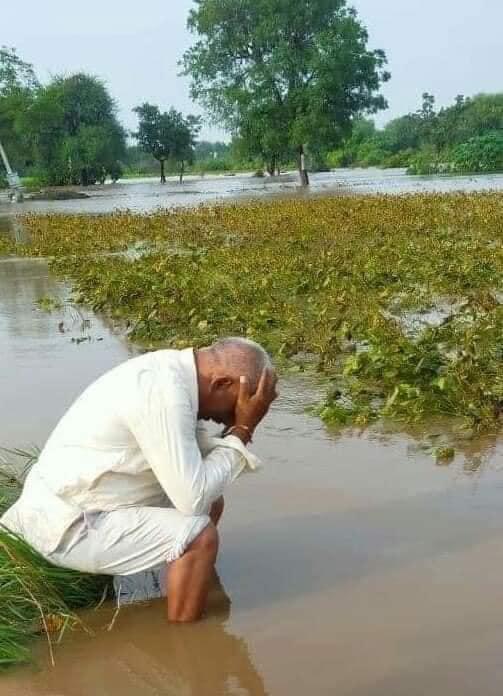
column 142, row 195
column 40, row 361
column 352, row 564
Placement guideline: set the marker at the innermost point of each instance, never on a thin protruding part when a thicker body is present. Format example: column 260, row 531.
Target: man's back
column 92, row 460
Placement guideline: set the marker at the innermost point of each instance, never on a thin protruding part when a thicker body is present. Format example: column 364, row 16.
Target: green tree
column 18, row 84
column 166, row 135
column 284, row 74
column 91, row 154
column 465, row 136
column 484, row 153
column 15, row 74
column 450, row 125
column 402, row 133
column 76, row 136
column 468, row 118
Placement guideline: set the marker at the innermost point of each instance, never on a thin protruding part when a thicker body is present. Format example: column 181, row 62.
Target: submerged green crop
column 397, row 298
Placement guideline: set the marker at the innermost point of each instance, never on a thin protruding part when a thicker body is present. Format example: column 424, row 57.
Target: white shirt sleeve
column 164, row 425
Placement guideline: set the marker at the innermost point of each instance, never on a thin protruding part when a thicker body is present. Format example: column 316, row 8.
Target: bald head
column 219, row 368
column 239, row 356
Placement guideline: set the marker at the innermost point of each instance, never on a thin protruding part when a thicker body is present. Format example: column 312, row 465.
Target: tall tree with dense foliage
column 77, row 138
column 166, row 135
column 285, row 75
column 18, row 84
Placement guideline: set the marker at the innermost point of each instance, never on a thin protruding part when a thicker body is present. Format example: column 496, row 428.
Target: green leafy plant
column 36, row 597
column 49, row 304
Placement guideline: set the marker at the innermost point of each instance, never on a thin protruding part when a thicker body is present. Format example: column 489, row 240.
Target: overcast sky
column 446, row 47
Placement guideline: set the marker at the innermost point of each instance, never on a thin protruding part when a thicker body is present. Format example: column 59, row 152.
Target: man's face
column 223, row 399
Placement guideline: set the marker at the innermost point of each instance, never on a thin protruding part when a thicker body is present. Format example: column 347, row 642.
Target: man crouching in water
column 129, row 480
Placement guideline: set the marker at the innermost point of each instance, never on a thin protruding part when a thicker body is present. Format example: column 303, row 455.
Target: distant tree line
column 285, row 79
column 294, row 83
column 464, row 137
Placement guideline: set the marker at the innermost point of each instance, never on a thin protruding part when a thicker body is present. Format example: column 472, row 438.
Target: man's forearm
column 216, row 510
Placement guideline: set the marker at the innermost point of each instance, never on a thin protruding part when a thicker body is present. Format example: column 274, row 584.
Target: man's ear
column 220, row 383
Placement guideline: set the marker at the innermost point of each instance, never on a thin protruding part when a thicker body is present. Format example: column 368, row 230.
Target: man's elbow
column 192, row 506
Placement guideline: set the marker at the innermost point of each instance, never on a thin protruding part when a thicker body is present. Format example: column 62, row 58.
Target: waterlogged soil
column 146, row 195
column 351, row 564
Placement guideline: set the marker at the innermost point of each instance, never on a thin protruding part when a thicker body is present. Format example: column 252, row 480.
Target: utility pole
column 12, row 178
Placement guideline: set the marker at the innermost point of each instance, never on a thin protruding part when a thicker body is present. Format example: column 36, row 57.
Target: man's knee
column 206, row 543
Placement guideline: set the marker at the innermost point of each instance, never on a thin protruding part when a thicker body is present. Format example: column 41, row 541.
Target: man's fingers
column 244, row 388
column 275, row 383
column 267, row 385
column 275, row 392
column 262, row 382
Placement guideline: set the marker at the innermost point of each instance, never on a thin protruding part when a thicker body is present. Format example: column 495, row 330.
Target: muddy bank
column 57, row 195
column 352, row 563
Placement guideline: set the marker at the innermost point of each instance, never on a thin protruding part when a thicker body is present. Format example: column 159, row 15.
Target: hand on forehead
column 241, row 357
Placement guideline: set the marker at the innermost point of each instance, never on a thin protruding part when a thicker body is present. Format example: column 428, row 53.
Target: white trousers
column 128, row 540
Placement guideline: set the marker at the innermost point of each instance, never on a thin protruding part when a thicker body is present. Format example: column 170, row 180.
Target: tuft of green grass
column 36, row 597
column 444, row 454
column 49, row 304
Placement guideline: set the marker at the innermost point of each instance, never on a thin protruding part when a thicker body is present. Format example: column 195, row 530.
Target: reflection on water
column 142, row 655
column 13, row 226
column 148, row 194
column 41, row 369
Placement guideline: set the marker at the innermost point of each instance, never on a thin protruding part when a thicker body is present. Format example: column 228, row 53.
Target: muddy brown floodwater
column 146, row 195
column 351, row 565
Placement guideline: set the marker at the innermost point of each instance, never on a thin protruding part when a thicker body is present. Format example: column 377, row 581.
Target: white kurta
column 130, row 440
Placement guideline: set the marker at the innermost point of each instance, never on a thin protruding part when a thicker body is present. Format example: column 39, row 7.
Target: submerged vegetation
column 35, row 596
column 397, row 299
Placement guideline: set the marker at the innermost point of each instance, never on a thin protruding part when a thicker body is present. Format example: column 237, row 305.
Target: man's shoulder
column 152, row 359
column 168, row 371
column 168, row 366
column 178, row 360
column 162, row 355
